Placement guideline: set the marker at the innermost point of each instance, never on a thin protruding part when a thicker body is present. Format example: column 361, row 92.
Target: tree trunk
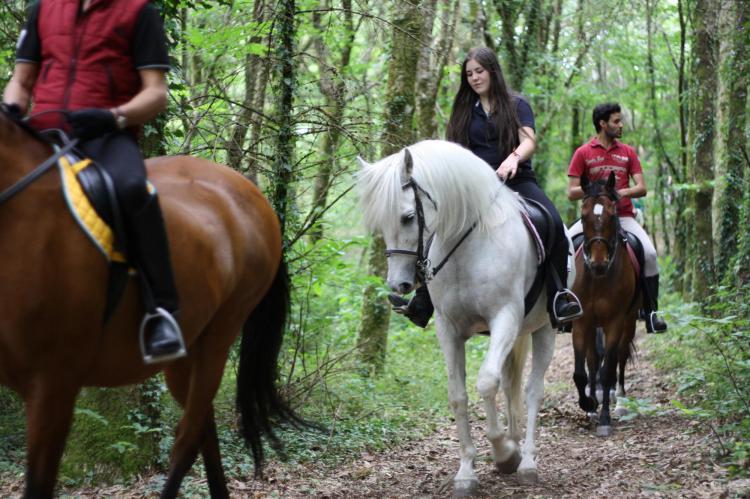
column 373, row 332
column 701, row 138
column 333, row 87
column 283, row 174
column 732, row 119
column 429, row 80
column 252, row 106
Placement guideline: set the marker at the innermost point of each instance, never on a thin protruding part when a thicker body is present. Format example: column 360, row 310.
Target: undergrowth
column 707, row 353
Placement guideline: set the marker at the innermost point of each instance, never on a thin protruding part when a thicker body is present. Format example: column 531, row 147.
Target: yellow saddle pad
column 97, row 230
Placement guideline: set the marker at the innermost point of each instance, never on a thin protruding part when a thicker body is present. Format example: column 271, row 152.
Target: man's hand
column 91, row 123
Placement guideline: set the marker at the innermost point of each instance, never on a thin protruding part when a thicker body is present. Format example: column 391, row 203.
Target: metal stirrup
column 571, row 297
column 152, row 359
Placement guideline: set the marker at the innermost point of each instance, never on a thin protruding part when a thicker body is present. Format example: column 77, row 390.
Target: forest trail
column 660, row 455
column 663, row 455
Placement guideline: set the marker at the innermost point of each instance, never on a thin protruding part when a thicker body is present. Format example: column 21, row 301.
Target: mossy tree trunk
column 701, row 153
column 398, row 132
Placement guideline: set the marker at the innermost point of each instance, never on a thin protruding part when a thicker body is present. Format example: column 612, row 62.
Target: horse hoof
column 604, row 431
column 619, row 412
column 528, row 476
column 465, row 488
column 511, row 465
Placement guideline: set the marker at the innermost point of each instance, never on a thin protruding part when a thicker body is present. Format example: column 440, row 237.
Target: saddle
column 90, row 195
column 541, row 227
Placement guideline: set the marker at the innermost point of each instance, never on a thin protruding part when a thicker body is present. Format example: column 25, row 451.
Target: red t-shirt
column 596, row 162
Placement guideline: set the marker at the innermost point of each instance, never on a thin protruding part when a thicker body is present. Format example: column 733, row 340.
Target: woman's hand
column 508, row 168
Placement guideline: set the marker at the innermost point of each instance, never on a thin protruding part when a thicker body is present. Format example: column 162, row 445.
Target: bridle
column 612, row 243
column 424, row 272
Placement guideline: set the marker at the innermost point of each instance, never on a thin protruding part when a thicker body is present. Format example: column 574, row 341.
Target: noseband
column 424, row 272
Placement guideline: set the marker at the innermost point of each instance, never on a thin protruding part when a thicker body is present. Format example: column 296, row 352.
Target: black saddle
column 99, row 188
column 541, row 226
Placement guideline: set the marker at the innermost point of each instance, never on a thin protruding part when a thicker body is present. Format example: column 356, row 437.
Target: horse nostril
column 405, row 287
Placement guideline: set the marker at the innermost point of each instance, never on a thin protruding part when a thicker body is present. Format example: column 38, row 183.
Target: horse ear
column 584, row 183
column 611, row 181
column 408, row 167
column 362, row 163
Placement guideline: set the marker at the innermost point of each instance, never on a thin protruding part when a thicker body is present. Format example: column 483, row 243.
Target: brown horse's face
column 600, row 225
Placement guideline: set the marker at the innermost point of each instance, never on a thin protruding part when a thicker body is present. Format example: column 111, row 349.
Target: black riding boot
column 418, row 310
column 654, row 323
column 160, row 334
column 565, row 306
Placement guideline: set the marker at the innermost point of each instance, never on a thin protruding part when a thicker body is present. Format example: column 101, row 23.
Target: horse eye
column 407, row 219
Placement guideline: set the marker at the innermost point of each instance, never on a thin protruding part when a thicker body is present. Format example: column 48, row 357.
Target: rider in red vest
column 96, row 69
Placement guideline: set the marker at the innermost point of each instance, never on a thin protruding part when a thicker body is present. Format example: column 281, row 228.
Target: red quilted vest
column 86, row 60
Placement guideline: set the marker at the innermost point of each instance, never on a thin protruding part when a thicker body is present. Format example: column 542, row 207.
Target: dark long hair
column 503, row 112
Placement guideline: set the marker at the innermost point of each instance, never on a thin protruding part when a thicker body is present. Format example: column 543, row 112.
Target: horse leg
column 581, row 344
column 177, row 380
column 49, row 414
column 194, row 382
column 465, row 482
column 623, row 357
column 503, row 354
column 543, row 349
column 608, row 377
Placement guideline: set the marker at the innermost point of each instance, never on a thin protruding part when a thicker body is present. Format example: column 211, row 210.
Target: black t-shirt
column 149, row 46
column 483, row 137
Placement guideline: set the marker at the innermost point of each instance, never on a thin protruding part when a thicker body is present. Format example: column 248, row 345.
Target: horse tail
column 258, row 400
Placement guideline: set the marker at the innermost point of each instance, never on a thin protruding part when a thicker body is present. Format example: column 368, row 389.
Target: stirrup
column 571, row 297
column 650, row 319
column 153, row 359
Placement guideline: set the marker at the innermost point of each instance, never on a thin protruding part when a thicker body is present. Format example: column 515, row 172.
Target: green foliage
column 708, row 356
column 108, row 440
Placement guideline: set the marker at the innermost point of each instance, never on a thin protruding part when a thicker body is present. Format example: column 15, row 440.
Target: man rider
column 603, row 154
column 96, row 69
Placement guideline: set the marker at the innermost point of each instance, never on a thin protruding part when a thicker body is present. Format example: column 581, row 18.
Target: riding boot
column 161, row 338
column 565, row 305
column 654, row 323
column 418, row 310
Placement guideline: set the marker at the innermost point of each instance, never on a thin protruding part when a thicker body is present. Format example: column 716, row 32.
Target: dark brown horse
column 606, row 283
column 226, row 251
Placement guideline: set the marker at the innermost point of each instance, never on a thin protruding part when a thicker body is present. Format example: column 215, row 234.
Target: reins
column 37, row 172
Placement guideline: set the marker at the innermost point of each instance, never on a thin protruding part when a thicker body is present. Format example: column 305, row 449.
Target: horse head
column 601, row 226
column 397, row 207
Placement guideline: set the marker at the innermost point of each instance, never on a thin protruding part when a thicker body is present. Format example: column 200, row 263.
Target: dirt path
column 662, row 455
column 649, row 456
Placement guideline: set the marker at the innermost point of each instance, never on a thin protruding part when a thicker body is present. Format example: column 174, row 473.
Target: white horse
column 438, row 187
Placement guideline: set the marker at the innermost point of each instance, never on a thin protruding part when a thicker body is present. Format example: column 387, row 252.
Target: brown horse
column 606, row 283
column 227, row 255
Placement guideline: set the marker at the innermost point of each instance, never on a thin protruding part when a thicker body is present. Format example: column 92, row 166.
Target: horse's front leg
column 465, row 483
column 582, row 339
column 608, row 376
column 49, row 413
column 505, row 328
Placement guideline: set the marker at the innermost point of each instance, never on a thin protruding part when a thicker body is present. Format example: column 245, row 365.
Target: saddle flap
column 635, row 250
column 541, row 226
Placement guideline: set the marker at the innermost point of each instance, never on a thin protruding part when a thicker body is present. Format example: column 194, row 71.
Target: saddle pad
column 95, row 228
column 541, row 254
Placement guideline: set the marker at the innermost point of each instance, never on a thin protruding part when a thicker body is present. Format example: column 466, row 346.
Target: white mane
column 464, row 187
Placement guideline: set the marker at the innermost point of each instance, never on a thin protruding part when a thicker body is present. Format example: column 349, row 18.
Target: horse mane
column 465, row 189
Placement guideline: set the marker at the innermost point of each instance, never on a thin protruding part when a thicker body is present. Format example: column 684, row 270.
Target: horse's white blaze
column 483, row 283
column 598, row 209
